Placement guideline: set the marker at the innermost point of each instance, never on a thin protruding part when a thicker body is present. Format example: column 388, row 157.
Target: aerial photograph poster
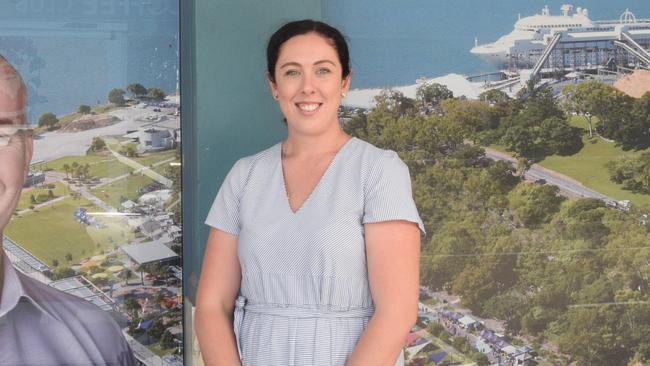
column 99, row 216
column 526, row 129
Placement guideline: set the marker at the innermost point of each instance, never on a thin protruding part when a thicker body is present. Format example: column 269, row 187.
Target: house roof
column 149, row 252
column 635, row 84
column 467, row 320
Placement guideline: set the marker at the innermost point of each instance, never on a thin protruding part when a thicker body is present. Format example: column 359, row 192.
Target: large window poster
column 526, row 128
column 100, row 214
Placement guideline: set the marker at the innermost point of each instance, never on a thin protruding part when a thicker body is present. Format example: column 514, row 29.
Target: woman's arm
column 215, row 300
column 393, row 255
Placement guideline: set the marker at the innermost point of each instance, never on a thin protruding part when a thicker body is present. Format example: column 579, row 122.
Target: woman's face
column 308, row 83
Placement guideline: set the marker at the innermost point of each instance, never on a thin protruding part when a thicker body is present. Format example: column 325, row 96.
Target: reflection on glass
column 535, row 192
column 100, row 213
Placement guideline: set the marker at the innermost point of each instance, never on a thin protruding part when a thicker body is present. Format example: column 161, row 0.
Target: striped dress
column 304, row 295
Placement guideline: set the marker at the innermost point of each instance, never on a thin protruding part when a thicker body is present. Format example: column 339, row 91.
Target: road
column 141, row 168
column 567, row 185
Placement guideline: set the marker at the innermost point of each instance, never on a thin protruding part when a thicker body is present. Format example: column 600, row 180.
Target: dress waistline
column 241, row 307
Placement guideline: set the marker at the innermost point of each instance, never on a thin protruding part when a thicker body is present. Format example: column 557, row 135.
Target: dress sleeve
column 224, row 213
column 388, row 193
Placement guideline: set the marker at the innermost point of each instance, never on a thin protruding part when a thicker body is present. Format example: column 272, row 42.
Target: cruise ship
column 571, row 41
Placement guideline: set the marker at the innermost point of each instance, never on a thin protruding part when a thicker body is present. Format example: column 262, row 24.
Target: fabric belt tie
column 289, row 311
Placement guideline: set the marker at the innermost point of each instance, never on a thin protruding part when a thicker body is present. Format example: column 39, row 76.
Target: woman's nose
column 308, row 84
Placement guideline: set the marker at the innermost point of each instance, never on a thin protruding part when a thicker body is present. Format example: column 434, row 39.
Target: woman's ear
column 272, row 85
column 345, row 83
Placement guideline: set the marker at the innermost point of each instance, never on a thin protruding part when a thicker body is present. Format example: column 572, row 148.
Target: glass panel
column 100, row 213
column 532, row 192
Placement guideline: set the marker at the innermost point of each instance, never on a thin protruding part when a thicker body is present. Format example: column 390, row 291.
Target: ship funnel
column 566, row 8
column 475, row 41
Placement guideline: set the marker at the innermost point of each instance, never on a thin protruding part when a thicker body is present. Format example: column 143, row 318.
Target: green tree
column 479, row 359
column 534, row 204
column 97, row 144
column 68, row 257
column 472, row 116
column 435, row 328
column 132, row 306
column 357, row 125
column 62, row 272
column 494, row 96
column 48, row 120
column 559, row 137
column 593, row 98
column 632, row 172
column 429, row 95
column 156, row 93
column 83, row 109
column 167, row 340
column 136, row 90
column 55, row 262
column 116, row 96
column 129, row 151
column 67, row 170
column 159, row 298
column 592, row 336
column 156, row 329
column 460, row 343
column 634, row 131
column 576, row 101
column 521, row 141
column 126, row 275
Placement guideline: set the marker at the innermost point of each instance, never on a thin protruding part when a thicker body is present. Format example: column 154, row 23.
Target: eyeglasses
column 7, row 131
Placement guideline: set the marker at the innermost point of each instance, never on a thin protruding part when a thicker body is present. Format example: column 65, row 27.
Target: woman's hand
column 215, row 300
column 393, row 255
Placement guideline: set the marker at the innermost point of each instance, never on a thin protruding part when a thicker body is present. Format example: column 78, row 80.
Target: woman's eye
column 323, row 71
column 292, row 73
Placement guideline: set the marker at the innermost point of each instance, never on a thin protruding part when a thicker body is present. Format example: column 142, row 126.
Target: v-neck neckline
column 318, row 184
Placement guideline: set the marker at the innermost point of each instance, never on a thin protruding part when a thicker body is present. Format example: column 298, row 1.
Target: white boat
column 570, row 41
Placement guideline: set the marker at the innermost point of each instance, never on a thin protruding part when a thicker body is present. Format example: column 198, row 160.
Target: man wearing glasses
column 39, row 325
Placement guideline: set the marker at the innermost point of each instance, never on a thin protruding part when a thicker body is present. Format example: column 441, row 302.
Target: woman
column 313, row 256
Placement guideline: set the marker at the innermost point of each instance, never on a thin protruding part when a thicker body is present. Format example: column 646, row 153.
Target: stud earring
column 343, row 95
column 276, row 96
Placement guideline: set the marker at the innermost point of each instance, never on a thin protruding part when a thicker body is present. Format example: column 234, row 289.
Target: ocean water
column 395, row 42
column 73, row 52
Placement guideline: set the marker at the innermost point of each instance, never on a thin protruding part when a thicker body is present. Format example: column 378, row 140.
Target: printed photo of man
column 40, row 325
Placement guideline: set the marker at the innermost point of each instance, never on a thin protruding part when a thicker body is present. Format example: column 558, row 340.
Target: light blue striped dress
column 304, row 297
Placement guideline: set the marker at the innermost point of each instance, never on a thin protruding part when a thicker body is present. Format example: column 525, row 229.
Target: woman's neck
column 305, row 145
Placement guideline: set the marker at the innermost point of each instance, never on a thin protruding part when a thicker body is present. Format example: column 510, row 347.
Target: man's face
column 15, row 140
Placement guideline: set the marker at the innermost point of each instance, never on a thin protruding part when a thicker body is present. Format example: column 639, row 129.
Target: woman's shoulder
column 261, row 158
column 372, row 155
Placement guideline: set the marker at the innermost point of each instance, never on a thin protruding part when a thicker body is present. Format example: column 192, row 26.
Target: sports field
column 52, row 232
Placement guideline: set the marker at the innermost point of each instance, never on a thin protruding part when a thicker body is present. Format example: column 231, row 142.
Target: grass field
column 52, row 232
column 588, row 165
column 155, row 157
column 113, row 232
column 100, row 166
column 127, row 187
column 162, row 168
column 25, row 197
